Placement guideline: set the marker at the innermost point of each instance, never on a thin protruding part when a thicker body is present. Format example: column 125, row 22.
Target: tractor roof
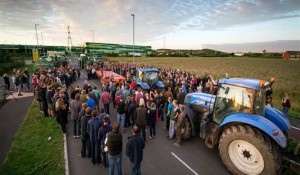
column 148, row 70
column 243, row 82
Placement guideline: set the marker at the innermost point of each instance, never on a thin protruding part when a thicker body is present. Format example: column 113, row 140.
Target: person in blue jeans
column 114, row 145
column 134, row 150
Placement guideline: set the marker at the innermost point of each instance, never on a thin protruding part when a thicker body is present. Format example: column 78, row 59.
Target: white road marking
column 66, row 157
column 295, row 128
column 184, row 163
column 83, row 74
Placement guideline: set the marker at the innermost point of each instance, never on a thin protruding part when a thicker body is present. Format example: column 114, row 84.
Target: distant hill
column 191, row 53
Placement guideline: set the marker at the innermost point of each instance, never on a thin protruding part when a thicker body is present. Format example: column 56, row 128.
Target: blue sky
column 227, row 25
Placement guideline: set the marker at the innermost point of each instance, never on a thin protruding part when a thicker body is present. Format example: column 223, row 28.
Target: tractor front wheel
column 186, row 132
column 245, row 150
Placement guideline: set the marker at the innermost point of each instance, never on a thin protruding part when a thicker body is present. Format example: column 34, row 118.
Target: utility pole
column 42, row 42
column 133, row 37
column 69, row 39
column 37, row 39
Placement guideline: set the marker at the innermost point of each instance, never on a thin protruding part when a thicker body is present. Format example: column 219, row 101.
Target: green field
column 37, row 147
column 287, row 72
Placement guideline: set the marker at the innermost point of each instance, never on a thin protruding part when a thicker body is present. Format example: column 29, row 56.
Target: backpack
column 288, row 104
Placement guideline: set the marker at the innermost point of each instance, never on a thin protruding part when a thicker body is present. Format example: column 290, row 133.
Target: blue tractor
column 249, row 134
column 148, row 78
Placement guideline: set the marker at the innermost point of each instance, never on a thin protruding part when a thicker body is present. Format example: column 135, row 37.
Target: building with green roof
column 117, row 49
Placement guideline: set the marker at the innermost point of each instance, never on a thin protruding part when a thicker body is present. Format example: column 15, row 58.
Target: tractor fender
column 160, row 84
column 259, row 122
column 143, row 85
column 192, row 117
column 278, row 118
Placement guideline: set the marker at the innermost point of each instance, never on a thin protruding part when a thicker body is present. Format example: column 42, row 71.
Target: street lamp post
column 133, row 37
column 37, row 39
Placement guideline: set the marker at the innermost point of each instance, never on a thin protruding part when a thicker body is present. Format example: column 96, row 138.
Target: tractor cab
column 237, row 99
column 240, row 95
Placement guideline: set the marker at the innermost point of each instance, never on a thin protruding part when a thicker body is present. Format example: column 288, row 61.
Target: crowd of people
column 89, row 108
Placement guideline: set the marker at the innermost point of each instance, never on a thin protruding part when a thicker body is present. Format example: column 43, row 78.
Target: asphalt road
column 294, row 132
column 160, row 154
column 12, row 113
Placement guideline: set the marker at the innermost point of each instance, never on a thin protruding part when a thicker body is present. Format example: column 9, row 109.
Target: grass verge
column 31, row 67
column 37, row 147
column 294, row 114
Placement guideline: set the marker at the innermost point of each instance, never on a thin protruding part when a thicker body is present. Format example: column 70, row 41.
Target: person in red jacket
column 105, row 99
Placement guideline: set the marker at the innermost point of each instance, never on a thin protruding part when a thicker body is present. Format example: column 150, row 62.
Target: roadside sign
column 35, row 55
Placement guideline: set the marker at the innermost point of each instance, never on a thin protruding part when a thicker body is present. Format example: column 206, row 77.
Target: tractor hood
column 278, row 118
column 160, row 84
column 143, row 85
column 200, row 102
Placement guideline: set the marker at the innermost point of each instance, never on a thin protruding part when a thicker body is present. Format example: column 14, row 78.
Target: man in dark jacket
column 131, row 110
column 93, row 128
column 114, row 145
column 85, row 138
column 44, row 99
column 121, row 113
column 134, row 150
column 141, row 118
column 49, row 96
column 104, row 129
column 180, row 96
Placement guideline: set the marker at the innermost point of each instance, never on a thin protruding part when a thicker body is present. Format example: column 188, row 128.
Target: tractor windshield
column 146, row 76
column 151, row 78
column 231, row 99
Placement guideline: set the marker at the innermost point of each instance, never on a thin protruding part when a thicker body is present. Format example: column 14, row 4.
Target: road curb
column 66, row 157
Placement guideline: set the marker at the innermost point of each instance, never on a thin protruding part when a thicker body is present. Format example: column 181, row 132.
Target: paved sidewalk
column 12, row 113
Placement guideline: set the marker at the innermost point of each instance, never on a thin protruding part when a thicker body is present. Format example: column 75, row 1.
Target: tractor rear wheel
column 245, row 150
column 186, row 132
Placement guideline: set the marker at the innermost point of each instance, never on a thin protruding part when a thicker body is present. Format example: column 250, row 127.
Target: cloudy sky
column 228, row 25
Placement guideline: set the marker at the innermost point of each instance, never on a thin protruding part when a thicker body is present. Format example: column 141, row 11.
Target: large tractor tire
column 245, row 150
column 186, row 132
